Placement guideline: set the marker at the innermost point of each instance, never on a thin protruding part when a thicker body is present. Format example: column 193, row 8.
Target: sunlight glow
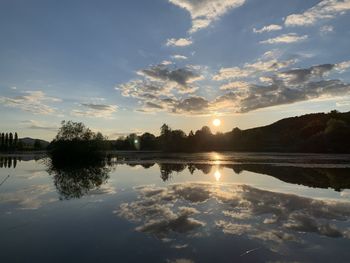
column 217, row 175
column 216, row 122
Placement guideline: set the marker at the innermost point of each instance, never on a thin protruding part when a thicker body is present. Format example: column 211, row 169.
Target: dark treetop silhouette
column 76, row 143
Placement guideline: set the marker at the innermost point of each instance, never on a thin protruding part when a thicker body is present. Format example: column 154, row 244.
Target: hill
column 30, row 142
column 318, row 132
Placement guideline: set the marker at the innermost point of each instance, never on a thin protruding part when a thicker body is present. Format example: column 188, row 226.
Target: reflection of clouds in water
column 106, row 189
column 275, row 219
column 32, row 197
column 345, row 194
column 157, row 212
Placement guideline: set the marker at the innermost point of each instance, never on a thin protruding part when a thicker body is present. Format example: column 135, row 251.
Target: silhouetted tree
column 37, row 145
column 10, row 140
column 16, row 139
column 148, row 141
column 2, row 146
column 75, row 142
column 6, row 141
column 165, row 137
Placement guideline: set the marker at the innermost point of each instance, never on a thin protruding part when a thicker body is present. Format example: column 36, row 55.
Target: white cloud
column 38, row 125
column 235, row 85
column 204, row 12
column 268, row 28
column 282, row 88
column 95, row 110
column 31, row 101
column 285, row 38
column 179, row 57
column 180, row 42
column 163, row 88
column 342, row 66
column 326, row 29
column 326, row 9
column 166, row 62
column 267, row 63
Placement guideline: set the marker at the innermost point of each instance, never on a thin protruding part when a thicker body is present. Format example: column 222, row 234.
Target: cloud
column 179, row 57
column 31, row 101
column 163, row 88
column 326, row 29
column 268, row 28
column 326, row 9
column 95, row 110
column 286, row 87
column 204, row 12
column 268, row 63
column 180, row 42
column 37, row 125
column 264, row 83
column 343, row 66
column 285, row 38
column 235, row 85
column 181, row 76
column 191, row 105
column 166, row 62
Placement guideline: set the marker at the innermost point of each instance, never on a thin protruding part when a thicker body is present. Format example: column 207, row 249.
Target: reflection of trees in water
column 335, row 178
column 8, row 161
column 147, row 165
column 74, row 181
column 166, row 169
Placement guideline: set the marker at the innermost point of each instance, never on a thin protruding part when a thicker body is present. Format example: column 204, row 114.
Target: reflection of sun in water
column 217, row 175
column 216, row 122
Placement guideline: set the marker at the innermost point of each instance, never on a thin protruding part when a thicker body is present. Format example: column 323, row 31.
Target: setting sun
column 216, row 122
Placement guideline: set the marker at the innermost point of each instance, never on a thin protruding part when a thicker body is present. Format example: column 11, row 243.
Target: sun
column 216, row 122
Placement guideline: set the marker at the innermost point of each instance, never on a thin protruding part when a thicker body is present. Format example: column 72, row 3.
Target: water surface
column 209, row 207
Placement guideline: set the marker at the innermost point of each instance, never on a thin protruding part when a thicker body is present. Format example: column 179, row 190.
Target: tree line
column 318, row 132
column 9, row 141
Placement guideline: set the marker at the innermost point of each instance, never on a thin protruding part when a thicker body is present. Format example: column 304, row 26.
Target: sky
column 131, row 65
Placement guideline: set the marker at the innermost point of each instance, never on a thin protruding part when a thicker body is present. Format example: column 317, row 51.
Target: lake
column 152, row 207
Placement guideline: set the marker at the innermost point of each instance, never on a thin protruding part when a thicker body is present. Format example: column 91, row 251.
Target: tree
column 165, row 130
column 148, row 141
column 165, row 137
column 6, row 140
column 134, row 141
column 75, row 142
column 16, row 139
column 10, row 140
column 2, row 141
column 71, row 131
column 37, row 145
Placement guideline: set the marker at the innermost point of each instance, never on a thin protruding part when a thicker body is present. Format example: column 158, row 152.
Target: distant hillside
column 30, row 142
column 318, row 132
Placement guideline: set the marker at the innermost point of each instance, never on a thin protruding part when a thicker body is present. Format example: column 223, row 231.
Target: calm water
column 212, row 207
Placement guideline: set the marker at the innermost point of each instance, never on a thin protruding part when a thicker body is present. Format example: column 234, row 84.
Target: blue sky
column 129, row 66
